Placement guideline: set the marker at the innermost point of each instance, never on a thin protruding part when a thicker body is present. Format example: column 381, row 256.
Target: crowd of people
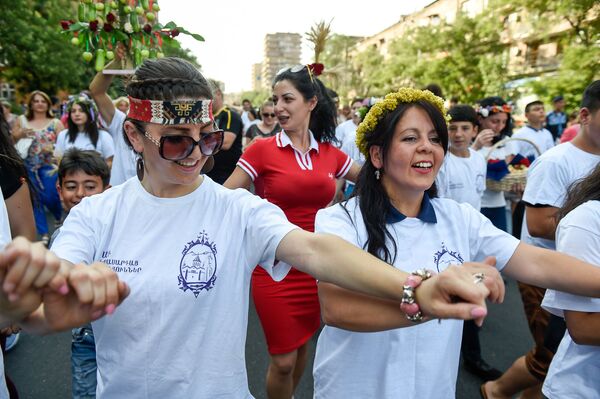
column 373, row 219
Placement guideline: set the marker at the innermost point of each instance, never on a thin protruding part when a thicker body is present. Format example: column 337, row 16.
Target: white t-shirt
column 105, row 145
column 349, row 147
column 123, row 166
column 420, row 361
column 462, row 179
column 549, row 178
column 342, row 130
column 5, row 238
column 188, row 260
column 574, row 369
column 541, row 138
column 490, row 198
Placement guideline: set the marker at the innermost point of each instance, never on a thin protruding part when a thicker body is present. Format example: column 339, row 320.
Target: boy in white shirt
column 462, row 178
column 533, row 131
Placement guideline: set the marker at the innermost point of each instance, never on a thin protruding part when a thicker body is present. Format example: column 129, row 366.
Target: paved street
column 40, row 366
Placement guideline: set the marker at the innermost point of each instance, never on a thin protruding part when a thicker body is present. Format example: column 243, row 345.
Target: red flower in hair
column 108, row 27
column 316, row 68
column 148, row 28
column 110, row 17
column 174, row 33
column 94, row 25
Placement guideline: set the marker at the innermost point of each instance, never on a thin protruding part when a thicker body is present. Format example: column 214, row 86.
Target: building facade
column 281, row 50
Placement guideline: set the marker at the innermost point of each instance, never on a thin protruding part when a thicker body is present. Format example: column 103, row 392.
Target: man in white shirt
column 533, row 131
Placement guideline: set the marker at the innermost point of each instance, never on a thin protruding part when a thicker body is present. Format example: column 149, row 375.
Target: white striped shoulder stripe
column 344, row 170
column 278, row 139
column 246, row 167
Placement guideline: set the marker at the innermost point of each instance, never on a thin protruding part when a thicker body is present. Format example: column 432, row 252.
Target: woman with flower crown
column 494, row 121
column 83, row 132
column 395, row 215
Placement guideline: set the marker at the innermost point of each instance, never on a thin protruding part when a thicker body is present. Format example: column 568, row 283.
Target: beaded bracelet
column 409, row 304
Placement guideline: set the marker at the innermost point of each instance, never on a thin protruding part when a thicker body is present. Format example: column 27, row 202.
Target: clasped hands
column 47, row 294
column 460, row 292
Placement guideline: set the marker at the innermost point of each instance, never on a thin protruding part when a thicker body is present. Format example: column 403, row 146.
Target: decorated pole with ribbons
column 100, row 26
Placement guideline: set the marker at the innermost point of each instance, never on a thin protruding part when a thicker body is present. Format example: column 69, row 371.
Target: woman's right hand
column 484, row 139
column 455, row 292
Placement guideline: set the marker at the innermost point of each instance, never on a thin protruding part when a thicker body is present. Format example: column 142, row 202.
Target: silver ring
column 478, row 278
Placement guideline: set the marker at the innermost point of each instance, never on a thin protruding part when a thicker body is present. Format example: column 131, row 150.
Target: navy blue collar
column 426, row 214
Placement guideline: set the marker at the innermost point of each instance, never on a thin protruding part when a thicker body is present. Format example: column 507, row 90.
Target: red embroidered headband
column 171, row 112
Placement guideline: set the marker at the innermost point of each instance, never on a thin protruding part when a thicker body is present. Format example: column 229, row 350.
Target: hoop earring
column 377, row 174
column 139, row 167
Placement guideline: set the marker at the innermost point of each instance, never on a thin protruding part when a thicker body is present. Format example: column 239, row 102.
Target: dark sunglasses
column 176, row 148
column 266, row 114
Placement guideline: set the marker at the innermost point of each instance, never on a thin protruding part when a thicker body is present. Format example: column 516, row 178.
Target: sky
column 234, row 30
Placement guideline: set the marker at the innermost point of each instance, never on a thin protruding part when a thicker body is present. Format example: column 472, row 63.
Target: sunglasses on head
column 178, row 147
column 296, row 69
column 266, row 114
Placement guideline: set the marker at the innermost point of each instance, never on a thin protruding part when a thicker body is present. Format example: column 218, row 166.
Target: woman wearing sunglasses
column 187, row 247
column 267, row 127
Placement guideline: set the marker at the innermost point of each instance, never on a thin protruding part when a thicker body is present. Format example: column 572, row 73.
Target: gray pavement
column 40, row 366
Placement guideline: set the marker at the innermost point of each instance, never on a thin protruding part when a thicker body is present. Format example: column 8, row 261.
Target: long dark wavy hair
column 90, row 128
column 10, row 161
column 372, row 197
column 581, row 191
column 324, row 116
column 166, row 79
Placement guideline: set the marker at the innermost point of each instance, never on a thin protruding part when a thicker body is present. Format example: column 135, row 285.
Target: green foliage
column 338, row 64
column 465, row 58
column 36, row 56
column 34, row 53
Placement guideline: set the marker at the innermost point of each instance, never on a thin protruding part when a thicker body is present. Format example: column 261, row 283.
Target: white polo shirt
column 574, row 369
column 542, row 138
column 462, row 179
column 105, row 145
column 123, row 166
column 549, row 178
column 415, row 362
column 188, row 261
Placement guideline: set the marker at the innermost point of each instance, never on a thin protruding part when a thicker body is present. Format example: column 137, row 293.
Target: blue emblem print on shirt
column 198, row 266
column 445, row 257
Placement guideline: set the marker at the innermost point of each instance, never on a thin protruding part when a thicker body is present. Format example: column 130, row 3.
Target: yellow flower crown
column 388, row 104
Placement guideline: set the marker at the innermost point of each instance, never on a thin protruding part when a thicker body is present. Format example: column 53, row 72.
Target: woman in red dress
column 296, row 170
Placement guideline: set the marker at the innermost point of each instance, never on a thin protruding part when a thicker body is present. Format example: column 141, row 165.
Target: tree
column 34, row 53
column 579, row 64
column 338, row 63
column 465, row 58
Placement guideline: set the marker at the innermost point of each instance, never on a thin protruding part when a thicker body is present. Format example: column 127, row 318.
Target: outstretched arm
column 555, row 270
column 332, row 260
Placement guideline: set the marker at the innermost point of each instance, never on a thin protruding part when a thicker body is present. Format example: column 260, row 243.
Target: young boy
column 462, row 178
column 533, row 131
column 81, row 174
